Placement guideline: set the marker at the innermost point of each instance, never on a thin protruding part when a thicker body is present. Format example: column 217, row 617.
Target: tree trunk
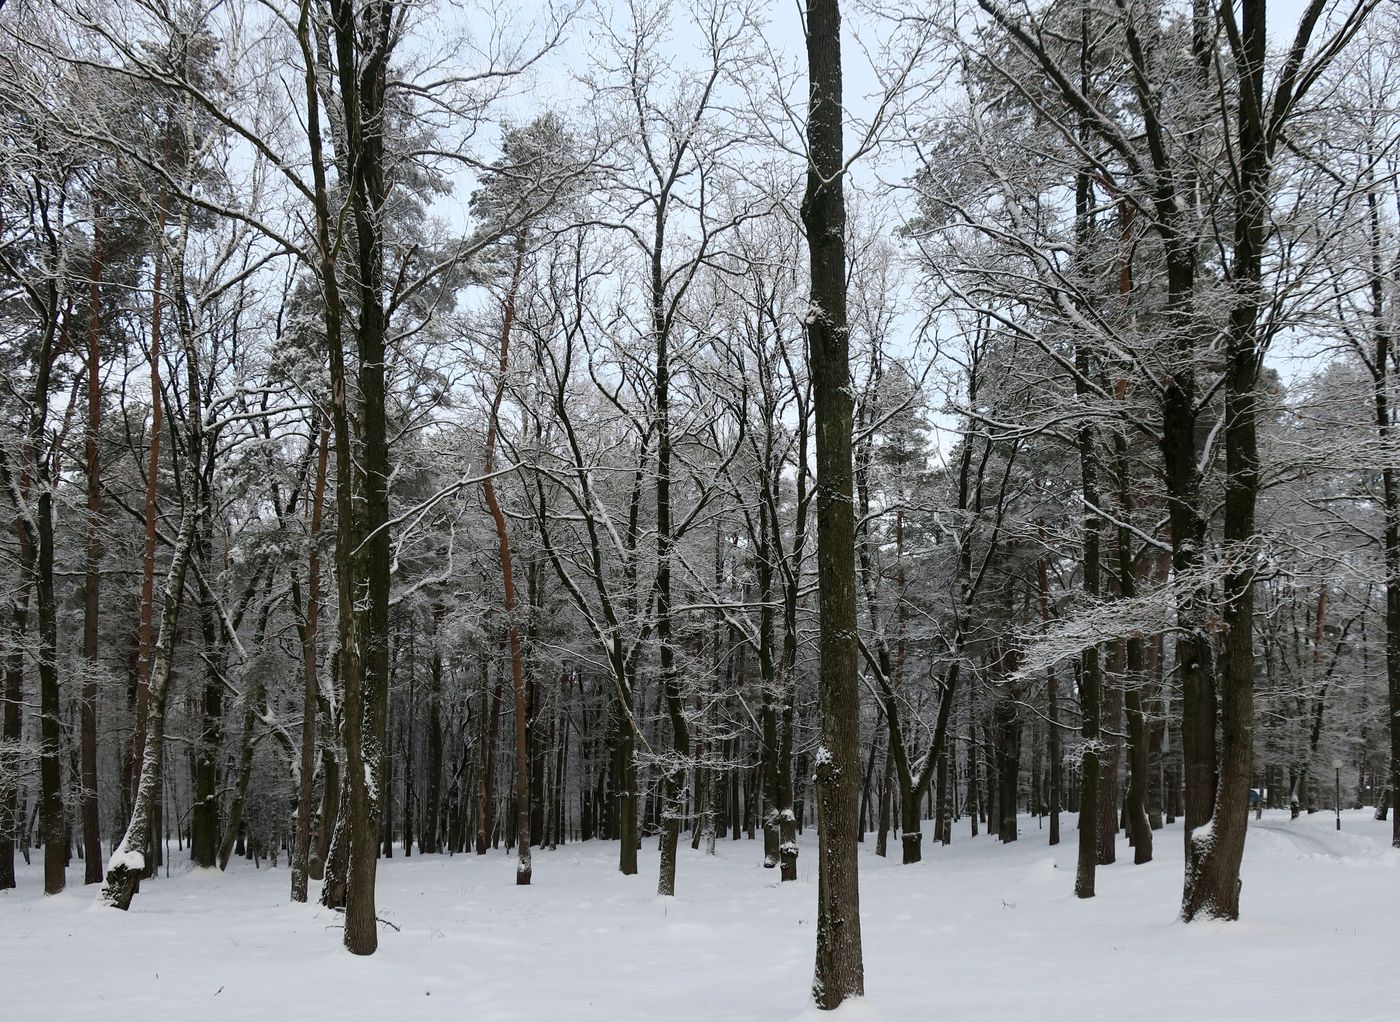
column 517, row 660
column 674, row 776
column 490, row 732
column 625, row 793
column 429, row 842
column 144, row 635
column 11, row 814
column 233, row 833
column 1111, row 724
column 128, row 862
column 92, row 583
column 1089, row 673
column 50, row 713
column 840, row 970
column 301, row 850
column 362, row 499
column 1134, row 676
column 1008, row 747
column 204, row 816
column 1390, row 488
column 337, row 854
column 330, row 786
column 1215, row 849
column 886, row 793
column 1135, row 804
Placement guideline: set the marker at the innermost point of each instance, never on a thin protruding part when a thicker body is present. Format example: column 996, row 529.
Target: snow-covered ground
column 978, row 930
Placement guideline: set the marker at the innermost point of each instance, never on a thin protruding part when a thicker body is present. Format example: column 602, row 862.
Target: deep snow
column 977, row 931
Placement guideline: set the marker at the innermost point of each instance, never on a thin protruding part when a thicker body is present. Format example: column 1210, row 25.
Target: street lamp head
column 1336, row 764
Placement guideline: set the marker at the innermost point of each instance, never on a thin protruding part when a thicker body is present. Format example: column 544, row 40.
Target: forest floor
column 978, row 930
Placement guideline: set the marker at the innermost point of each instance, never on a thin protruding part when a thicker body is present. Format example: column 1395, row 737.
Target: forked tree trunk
column 362, row 499
column 1214, row 851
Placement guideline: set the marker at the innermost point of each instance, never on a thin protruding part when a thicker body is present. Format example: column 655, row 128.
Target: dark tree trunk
column 974, row 798
column 364, row 40
column 886, row 791
column 1089, row 674
column 92, row 583
column 993, row 782
column 36, row 536
column 1212, row 887
column 490, row 735
column 840, row 970
column 301, row 850
column 204, row 816
column 943, row 820
column 674, row 777
column 517, row 656
column 1110, row 727
column 1390, row 489
column 1134, row 675
column 1008, row 750
column 429, row 842
column 1053, row 795
column 625, row 794
column 50, row 712
column 11, row 814
column 1155, row 704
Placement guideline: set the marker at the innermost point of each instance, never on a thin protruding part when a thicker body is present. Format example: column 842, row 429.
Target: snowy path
column 978, row 930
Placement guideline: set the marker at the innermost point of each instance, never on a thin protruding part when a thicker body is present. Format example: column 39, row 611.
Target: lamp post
column 1337, row 766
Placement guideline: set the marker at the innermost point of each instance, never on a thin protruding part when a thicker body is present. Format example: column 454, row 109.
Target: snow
column 1204, row 835
column 977, row 930
column 133, row 860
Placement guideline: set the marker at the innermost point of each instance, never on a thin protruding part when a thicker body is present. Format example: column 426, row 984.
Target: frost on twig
column 1151, row 613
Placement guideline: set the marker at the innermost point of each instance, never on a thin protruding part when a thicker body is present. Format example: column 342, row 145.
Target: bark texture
column 840, row 968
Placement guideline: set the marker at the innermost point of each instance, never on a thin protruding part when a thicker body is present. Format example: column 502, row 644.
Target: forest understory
column 979, row 929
